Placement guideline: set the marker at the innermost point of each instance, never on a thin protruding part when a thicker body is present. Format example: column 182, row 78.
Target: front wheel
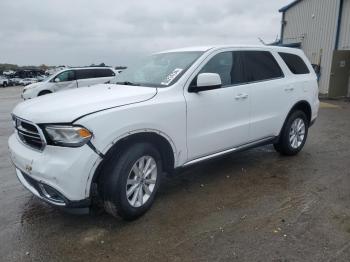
column 44, row 92
column 129, row 183
column 294, row 133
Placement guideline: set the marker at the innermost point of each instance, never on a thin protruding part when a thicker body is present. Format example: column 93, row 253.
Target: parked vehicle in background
column 172, row 110
column 14, row 81
column 41, row 78
column 27, row 81
column 4, row 81
column 69, row 79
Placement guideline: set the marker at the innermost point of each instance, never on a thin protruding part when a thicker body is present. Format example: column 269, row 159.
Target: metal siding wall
column 315, row 33
column 344, row 40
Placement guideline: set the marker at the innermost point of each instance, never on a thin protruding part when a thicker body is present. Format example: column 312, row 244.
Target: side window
column 66, row 76
column 84, row 73
column 228, row 65
column 220, row 64
column 295, row 64
column 260, row 65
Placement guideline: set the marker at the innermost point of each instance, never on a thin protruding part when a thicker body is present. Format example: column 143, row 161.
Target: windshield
column 159, row 70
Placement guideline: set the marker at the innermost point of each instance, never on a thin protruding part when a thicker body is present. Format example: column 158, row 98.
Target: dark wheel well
column 302, row 106
column 44, row 92
column 161, row 143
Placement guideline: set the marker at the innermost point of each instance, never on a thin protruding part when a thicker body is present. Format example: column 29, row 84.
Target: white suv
column 4, row 82
column 173, row 109
column 69, row 79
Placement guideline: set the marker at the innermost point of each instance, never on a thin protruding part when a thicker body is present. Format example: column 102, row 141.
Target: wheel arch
column 160, row 140
column 302, row 105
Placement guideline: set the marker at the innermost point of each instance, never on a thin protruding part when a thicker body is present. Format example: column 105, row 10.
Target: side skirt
column 258, row 143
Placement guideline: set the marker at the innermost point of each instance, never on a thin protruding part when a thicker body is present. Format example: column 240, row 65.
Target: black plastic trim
column 68, row 203
column 95, row 149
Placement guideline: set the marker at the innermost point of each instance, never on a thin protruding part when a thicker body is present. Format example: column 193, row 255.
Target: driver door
column 218, row 119
column 65, row 80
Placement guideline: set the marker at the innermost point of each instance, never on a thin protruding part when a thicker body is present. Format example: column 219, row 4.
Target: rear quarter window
column 295, row 63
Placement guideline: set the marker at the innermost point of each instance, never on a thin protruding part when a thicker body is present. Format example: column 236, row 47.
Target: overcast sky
column 82, row 32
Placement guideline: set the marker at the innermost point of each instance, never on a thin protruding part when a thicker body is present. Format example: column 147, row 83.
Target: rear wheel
column 129, row 183
column 294, row 133
column 5, row 84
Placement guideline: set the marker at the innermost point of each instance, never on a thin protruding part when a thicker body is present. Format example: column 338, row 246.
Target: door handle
column 289, row 89
column 241, row 96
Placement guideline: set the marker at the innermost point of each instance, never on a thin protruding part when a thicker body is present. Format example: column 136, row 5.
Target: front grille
column 29, row 134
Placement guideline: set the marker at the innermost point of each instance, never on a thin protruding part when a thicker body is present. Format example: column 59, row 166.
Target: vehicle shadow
column 220, row 191
column 215, row 175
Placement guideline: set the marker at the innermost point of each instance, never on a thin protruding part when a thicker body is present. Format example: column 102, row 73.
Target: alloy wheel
column 141, row 181
column 297, row 133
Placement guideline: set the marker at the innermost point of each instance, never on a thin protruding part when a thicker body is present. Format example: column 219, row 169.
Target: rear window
column 295, row 64
column 260, row 65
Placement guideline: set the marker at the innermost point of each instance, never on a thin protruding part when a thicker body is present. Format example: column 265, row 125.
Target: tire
column 44, row 92
column 4, row 84
column 293, row 135
column 119, row 178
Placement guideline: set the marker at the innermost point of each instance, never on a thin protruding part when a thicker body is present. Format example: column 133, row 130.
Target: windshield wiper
column 127, row 83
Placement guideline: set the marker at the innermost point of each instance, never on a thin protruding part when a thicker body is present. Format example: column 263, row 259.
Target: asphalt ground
column 250, row 206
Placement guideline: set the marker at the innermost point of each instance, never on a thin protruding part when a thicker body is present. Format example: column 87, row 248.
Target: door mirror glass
column 206, row 81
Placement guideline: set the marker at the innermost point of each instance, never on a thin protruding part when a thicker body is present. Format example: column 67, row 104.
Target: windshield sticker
column 171, row 76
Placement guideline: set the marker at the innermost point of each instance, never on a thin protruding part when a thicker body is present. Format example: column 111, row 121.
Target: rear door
column 64, row 81
column 85, row 77
column 104, row 75
column 271, row 94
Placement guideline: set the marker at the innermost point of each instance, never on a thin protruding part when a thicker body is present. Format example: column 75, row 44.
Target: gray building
column 321, row 28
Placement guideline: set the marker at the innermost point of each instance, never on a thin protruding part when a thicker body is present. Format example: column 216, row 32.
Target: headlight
column 71, row 136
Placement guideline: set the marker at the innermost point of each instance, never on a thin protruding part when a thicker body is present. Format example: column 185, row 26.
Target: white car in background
column 15, row 81
column 69, row 79
column 27, row 81
column 4, row 81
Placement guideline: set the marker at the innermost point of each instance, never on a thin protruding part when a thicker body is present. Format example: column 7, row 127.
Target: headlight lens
column 71, row 136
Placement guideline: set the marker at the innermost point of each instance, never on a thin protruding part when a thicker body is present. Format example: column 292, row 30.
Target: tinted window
column 260, row 65
column 66, row 76
column 84, row 73
column 103, row 72
column 295, row 63
column 228, row 66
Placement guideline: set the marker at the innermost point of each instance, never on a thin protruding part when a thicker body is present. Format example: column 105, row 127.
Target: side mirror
column 206, row 81
column 57, row 80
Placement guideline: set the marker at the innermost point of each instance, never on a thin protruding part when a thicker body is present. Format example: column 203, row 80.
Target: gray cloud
column 82, row 32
